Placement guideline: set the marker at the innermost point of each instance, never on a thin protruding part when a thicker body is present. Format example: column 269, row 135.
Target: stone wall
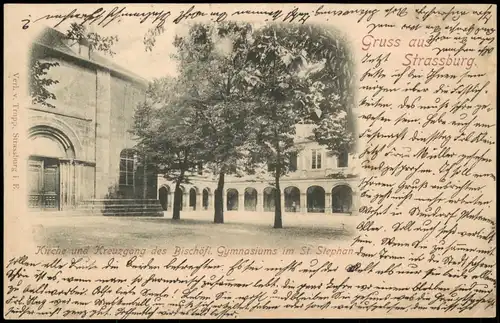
column 94, row 110
column 125, row 96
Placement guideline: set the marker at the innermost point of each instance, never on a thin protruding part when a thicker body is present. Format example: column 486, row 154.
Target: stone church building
column 81, row 155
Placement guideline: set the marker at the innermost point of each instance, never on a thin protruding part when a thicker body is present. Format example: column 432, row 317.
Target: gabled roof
column 56, row 41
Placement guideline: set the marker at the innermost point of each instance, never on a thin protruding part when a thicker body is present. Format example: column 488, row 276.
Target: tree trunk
column 278, row 222
column 177, row 201
column 145, row 181
column 178, row 194
column 219, row 200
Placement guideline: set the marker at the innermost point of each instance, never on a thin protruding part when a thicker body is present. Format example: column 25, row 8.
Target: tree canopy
column 297, row 74
column 209, row 86
column 238, row 96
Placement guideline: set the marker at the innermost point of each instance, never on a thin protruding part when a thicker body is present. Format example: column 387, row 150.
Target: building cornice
column 65, row 114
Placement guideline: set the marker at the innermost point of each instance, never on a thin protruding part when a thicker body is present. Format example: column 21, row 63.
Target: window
column 316, row 159
column 127, row 167
column 232, row 169
column 343, row 159
column 293, row 162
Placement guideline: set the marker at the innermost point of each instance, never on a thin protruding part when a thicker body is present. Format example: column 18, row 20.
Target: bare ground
column 241, row 229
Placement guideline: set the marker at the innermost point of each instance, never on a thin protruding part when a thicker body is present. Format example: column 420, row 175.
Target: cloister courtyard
column 241, row 229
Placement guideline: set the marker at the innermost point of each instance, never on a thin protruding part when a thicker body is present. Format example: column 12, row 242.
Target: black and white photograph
column 239, row 132
column 228, row 161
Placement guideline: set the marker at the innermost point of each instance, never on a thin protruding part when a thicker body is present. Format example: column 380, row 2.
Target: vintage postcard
column 249, row 161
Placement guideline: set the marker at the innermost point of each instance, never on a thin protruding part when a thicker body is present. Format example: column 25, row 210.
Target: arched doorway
column 163, row 194
column 206, row 195
column 250, row 199
column 269, row 202
column 341, row 199
column 192, row 198
column 232, row 199
column 315, row 199
column 292, row 199
column 50, row 184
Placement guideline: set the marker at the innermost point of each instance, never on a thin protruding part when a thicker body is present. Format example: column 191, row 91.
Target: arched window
column 292, row 199
column 341, row 199
column 163, row 196
column 206, row 198
column 128, row 159
column 250, row 199
column 269, row 201
column 316, row 199
column 193, row 192
column 232, row 199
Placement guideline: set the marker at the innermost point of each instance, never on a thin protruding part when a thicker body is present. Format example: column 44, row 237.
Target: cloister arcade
column 320, row 198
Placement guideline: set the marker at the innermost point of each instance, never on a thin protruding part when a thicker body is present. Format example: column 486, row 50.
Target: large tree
column 334, row 124
column 211, row 58
column 290, row 76
column 167, row 132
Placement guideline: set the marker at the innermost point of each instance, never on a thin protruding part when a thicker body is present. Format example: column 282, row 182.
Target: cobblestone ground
column 241, row 229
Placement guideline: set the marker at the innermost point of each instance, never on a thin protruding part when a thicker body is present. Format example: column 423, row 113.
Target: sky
column 131, row 52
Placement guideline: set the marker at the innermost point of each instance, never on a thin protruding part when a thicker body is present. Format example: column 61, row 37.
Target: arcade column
column 170, row 200
column 260, row 202
column 185, row 202
column 199, row 201
column 355, row 203
column 303, row 202
column 328, row 202
column 67, row 184
column 241, row 202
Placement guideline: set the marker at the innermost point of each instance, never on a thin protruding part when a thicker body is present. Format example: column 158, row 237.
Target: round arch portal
column 193, row 192
column 250, row 199
column 269, row 199
column 341, row 199
column 50, row 185
column 316, row 199
column 292, row 199
column 206, row 198
column 232, row 199
column 57, row 130
column 163, row 196
column 50, row 142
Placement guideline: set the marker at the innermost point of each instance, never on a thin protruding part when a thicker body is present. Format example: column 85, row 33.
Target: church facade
column 317, row 183
column 81, row 152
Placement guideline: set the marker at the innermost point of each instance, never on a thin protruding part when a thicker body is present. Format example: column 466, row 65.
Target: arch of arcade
column 318, row 182
column 305, row 197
